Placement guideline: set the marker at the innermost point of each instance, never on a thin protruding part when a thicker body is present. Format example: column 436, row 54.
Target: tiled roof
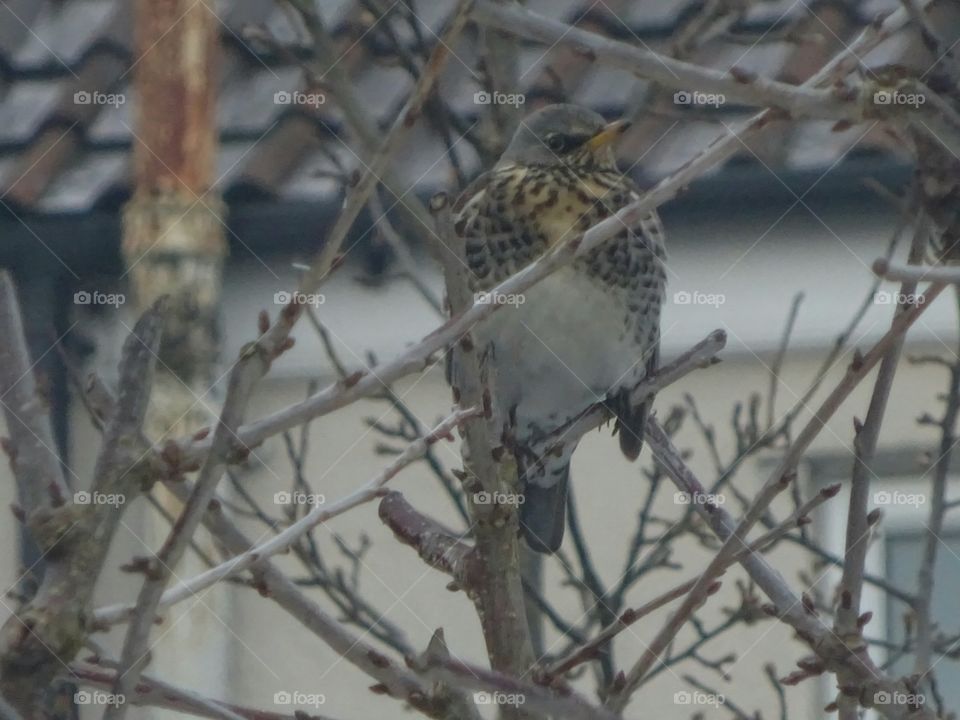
column 58, row 155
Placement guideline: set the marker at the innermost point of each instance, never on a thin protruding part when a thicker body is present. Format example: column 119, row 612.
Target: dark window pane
column 904, row 552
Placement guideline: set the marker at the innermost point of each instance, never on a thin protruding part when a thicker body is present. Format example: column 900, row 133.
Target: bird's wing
column 474, row 188
column 647, row 296
column 474, row 222
column 498, row 241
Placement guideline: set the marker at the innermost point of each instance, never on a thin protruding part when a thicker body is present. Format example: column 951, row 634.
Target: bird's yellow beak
column 608, row 134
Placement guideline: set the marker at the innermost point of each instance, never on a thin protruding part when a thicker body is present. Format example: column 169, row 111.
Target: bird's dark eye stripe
column 564, row 143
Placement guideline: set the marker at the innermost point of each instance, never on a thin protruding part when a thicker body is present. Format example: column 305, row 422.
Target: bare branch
column 252, row 365
column 914, row 273
column 791, row 101
column 38, row 639
column 787, row 606
column 867, row 435
column 778, row 361
column 663, row 69
column 32, row 450
column 515, row 693
column 438, row 546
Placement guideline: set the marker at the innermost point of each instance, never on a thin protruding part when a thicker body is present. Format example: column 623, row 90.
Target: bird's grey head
column 564, row 135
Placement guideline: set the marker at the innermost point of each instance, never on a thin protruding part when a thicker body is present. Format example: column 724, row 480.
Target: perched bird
column 589, row 332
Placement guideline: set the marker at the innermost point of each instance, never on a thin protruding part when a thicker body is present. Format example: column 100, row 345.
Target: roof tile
column 51, row 50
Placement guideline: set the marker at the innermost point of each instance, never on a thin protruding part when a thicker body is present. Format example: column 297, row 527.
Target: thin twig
column 781, row 355
column 32, row 449
column 934, row 526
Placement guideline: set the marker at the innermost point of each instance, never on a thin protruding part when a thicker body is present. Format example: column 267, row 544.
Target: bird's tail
column 631, row 423
column 543, row 513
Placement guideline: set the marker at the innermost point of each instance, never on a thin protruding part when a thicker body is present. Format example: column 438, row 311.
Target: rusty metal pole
column 174, row 244
column 173, row 235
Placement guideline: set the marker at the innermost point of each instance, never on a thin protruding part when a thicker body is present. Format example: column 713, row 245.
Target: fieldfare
column 586, row 334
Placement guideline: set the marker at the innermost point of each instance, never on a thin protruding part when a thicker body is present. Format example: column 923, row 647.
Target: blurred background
column 202, row 148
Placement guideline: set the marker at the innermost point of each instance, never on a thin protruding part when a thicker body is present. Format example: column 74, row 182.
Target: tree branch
column 32, row 449
column 847, row 622
column 37, row 640
column 832, row 653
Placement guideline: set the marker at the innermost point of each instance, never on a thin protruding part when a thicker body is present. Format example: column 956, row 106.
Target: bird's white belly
column 564, row 348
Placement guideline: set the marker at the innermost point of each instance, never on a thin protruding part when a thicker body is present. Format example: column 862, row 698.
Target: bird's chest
column 559, row 350
column 562, row 205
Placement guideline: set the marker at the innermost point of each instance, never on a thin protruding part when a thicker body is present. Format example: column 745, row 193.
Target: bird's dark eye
column 558, row 143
